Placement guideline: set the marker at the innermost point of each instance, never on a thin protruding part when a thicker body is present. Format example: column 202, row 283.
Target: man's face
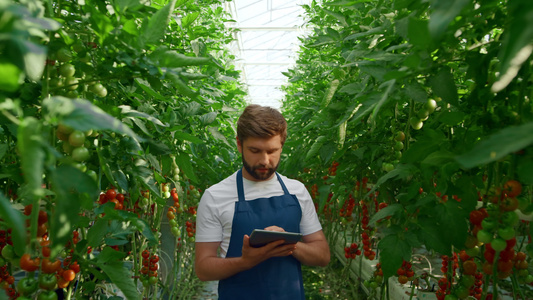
column 260, row 157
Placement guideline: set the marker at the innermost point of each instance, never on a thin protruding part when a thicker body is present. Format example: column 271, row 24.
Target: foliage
column 428, row 101
column 130, row 96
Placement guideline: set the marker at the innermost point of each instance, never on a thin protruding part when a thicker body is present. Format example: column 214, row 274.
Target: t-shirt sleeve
column 208, row 227
column 309, row 223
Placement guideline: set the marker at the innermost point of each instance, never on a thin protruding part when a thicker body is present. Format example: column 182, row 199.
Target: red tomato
column 69, row 275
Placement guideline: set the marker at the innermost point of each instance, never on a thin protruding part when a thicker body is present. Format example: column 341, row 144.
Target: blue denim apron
column 276, row 278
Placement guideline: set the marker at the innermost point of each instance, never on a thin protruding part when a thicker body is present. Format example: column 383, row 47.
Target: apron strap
column 240, row 189
column 282, row 184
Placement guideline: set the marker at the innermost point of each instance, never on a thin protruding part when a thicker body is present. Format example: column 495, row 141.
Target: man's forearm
column 314, row 253
column 217, row 268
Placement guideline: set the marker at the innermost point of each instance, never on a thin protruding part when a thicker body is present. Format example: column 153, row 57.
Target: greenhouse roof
column 266, row 44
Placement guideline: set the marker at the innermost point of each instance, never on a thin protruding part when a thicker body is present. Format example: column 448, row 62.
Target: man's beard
column 259, row 176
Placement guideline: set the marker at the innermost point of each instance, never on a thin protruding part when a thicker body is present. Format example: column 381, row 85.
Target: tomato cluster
column 347, row 208
column 332, row 170
column 365, row 236
column 376, row 279
column 6, row 249
column 111, row 195
column 65, row 82
column 405, row 272
column 352, row 251
column 150, row 265
column 445, row 282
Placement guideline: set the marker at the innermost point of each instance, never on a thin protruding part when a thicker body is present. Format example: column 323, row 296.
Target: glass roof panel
column 266, row 44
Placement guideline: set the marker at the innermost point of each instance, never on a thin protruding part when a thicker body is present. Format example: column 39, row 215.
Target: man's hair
column 261, row 122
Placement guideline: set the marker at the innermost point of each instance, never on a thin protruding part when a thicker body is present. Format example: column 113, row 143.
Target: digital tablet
column 260, row 237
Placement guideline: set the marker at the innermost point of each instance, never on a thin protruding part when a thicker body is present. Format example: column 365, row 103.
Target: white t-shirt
column 217, row 205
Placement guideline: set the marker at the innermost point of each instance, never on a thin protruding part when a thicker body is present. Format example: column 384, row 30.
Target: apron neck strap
column 240, row 189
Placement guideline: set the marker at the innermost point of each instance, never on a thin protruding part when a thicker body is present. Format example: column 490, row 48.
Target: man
column 257, row 197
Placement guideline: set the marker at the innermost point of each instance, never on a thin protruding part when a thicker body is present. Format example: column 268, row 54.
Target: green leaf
column 400, row 171
column 311, row 154
column 517, row 42
column 444, row 86
column 208, row 118
column 101, row 24
column 184, row 163
column 498, row 145
column 72, row 188
column 394, row 250
column 173, row 60
column 323, row 192
column 147, row 88
column 340, row 17
column 153, row 31
column 184, row 136
column 3, row 150
column 83, row 115
column 11, row 76
column 109, row 255
column 444, row 11
column 384, row 96
column 96, row 233
column 189, row 19
column 386, row 212
column 418, row 33
column 525, row 172
column 438, row 158
column 128, row 111
column 121, row 277
column 30, row 147
column 145, row 229
column 14, row 220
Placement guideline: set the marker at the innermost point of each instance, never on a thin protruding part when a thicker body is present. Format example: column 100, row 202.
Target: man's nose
column 263, row 159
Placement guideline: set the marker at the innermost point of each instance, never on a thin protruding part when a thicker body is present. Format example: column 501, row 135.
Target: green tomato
column 468, row 280
column 71, row 83
column 484, row 236
column 47, row 281
column 431, row 105
column 173, row 223
column 506, row 233
column 374, row 285
column 498, row 244
column 67, row 70
column 152, row 280
column 7, row 252
column 27, row 286
column 398, row 146
column 99, row 89
column 423, row 114
column 175, row 231
column 510, row 218
column 400, row 136
column 76, row 138
column 80, row 154
column 47, row 295
column 488, row 223
column 462, row 292
column 92, row 174
column 63, row 55
column 416, row 123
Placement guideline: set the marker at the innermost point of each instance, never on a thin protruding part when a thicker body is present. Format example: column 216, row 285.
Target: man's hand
column 253, row 256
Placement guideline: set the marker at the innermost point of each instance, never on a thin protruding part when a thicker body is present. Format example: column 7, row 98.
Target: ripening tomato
column 469, row 267
column 111, row 194
column 512, row 188
column 28, row 264
column 68, row 275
